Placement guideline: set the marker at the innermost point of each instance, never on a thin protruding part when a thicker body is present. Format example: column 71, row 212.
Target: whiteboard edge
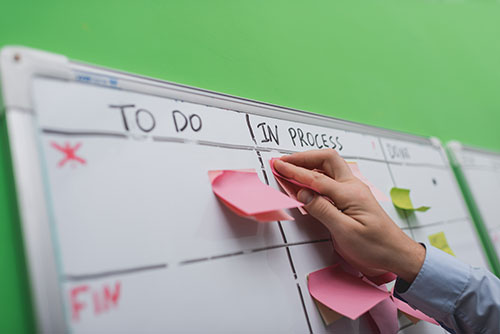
column 18, row 65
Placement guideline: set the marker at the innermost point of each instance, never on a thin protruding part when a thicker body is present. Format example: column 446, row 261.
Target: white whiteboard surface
column 481, row 169
column 132, row 239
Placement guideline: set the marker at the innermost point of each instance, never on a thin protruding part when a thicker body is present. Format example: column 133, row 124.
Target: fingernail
column 305, row 196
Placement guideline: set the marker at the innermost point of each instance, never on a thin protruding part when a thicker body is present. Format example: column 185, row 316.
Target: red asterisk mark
column 70, row 153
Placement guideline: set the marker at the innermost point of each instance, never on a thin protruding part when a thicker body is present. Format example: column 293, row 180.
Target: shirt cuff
column 438, row 285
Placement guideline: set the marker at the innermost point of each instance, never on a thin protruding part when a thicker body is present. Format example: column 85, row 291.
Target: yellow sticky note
column 401, row 199
column 438, row 240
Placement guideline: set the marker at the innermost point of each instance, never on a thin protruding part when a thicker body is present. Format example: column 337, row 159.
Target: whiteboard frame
column 455, row 150
column 19, row 66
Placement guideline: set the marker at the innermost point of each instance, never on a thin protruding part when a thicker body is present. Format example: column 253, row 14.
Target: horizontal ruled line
column 84, row 277
column 84, row 133
column 217, row 144
column 442, row 222
column 224, row 145
column 250, row 251
column 482, row 167
column 169, row 139
column 289, row 244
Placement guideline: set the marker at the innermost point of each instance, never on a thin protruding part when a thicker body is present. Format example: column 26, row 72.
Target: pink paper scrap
column 278, row 175
column 344, row 293
column 244, row 193
column 405, row 308
column 385, row 316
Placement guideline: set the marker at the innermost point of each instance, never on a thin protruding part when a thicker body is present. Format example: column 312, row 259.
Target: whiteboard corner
column 454, row 145
column 19, row 64
column 454, row 149
column 435, row 141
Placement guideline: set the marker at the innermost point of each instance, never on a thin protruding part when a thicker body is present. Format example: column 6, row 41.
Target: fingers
column 327, row 160
column 314, row 180
column 323, row 210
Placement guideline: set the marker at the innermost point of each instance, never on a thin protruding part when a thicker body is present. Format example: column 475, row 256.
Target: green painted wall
column 420, row 66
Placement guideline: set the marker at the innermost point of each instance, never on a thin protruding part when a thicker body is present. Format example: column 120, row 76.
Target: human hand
column 362, row 232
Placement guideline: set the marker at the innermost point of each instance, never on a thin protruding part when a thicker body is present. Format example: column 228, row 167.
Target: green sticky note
column 401, row 200
column 438, row 240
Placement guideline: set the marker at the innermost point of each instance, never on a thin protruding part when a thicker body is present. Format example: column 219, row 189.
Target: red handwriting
column 102, row 298
column 76, row 305
column 69, row 152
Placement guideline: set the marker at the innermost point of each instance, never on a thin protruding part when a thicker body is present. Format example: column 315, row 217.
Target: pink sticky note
column 344, row 293
column 385, row 316
column 291, row 190
column 244, row 193
column 407, row 309
column 380, row 196
column 281, row 177
column 291, row 187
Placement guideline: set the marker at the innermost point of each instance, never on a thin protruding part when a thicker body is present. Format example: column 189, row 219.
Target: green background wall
column 420, row 66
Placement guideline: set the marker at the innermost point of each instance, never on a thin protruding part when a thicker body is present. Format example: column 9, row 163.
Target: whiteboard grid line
column 250, row 251
column 304, row 308
column 156, row 138
column 443, row 222
column 289, row 255
column 84, row 277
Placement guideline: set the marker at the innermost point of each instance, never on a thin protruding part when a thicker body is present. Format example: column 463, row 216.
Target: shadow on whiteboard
column 231, row 227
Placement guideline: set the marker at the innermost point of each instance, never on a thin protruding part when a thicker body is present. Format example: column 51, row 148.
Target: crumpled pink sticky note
column 379, row 195
column 344, row 293
column 244, row 193
column 411, row 312
column 385, row 316
column 278, row 175
column 291, row 187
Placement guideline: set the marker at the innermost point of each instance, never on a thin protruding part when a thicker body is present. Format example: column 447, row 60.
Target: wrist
column 412, row 259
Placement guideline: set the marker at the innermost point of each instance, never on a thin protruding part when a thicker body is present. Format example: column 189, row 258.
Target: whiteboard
column 122, row 230
column 480, row 170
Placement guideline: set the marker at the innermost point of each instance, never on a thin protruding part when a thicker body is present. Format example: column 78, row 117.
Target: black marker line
column 291, row 244
column 202, row 259
column 84, row 133
column 223, row 145
column 304, row 308
column 254, row 250
column 263, row 168
column 262, row 249
column 226, row 255
column 247, row 118
column 291, row 262
column 169, row 139
column 355, row 157
column 83, row 277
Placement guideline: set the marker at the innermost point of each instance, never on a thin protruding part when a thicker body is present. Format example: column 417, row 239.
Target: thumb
column 321, row 209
